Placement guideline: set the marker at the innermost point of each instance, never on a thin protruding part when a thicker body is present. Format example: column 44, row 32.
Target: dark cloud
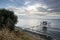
column 53, row 4
column 55, row 10
column 42, row 9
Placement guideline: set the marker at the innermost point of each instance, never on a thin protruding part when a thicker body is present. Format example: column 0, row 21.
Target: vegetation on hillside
column 7, row 27
column 7, row 19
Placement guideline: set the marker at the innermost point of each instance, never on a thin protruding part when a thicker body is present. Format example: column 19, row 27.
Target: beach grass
column 16, row 34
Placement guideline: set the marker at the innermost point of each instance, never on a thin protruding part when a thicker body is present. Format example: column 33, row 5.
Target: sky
column 33, row 9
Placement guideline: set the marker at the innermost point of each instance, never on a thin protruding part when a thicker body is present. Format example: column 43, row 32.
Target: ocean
column 28, row 23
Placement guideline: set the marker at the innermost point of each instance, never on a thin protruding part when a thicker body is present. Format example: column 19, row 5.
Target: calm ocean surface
column 28, row 23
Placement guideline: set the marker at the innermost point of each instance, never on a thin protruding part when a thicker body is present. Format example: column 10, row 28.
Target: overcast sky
column 33, row 9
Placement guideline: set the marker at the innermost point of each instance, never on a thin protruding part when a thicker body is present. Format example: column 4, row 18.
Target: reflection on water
column 28, row 23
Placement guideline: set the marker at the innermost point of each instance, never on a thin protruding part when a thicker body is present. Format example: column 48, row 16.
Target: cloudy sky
column 33, row 9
